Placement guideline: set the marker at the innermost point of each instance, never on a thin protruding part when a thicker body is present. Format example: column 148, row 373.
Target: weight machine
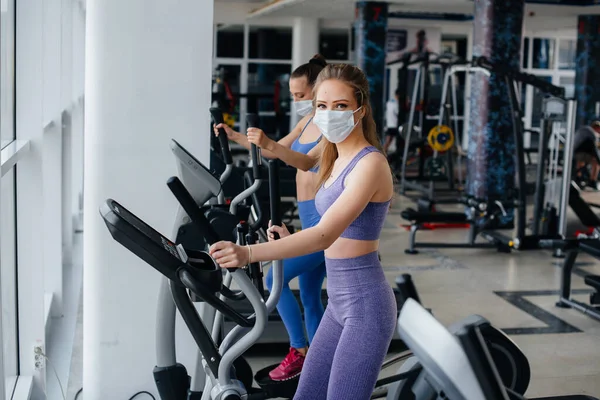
column 442, row 138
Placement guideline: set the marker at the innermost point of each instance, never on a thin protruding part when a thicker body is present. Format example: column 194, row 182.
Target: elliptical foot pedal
column 283, row 389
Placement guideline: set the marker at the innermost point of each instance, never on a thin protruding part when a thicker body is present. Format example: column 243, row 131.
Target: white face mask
column 335, row 125
column 302, row 107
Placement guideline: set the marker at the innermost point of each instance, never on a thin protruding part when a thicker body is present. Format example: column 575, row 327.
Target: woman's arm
column 282, row 149
column 361, row 186
column 243, row 141
column 301, row 161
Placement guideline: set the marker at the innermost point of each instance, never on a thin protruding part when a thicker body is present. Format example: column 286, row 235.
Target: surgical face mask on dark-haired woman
column 302, row 107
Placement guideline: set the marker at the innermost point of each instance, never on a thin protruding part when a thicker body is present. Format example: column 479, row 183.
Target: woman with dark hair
column 355, row 187
column 298, row 149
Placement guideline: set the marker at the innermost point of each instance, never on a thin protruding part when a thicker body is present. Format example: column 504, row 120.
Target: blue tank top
column 368, row 225
column 304, row 148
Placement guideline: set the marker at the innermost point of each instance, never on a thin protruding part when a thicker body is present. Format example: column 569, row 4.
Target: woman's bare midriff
column 306, row 185
column 350, row 248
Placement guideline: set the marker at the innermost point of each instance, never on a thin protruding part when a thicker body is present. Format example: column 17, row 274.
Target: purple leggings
column 346, row 354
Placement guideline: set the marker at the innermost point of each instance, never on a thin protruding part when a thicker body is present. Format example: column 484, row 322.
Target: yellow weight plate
column 441, row 138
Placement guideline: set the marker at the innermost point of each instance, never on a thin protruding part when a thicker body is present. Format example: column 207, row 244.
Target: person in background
column 299, row 149
column 586, row 153
column 391, row 122
column 422, row 42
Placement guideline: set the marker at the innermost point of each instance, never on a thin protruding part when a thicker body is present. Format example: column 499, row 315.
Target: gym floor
column 516, row 292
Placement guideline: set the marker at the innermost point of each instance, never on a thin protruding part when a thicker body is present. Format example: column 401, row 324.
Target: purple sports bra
column 368, row 225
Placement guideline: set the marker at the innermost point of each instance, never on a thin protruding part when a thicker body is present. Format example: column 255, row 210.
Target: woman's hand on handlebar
column 260, row 139
column 230, row 255
column 231, row 134
column 281, row 230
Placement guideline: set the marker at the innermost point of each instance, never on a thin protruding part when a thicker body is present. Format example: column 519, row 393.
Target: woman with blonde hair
column 355, row 188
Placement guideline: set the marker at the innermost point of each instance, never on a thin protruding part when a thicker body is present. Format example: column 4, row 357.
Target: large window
column 8, row 279
column 269, row 43
column 538, row 101
column 268, row 94
column 8, row 275
column 568, row 82
column 227, row 91
column 334, row 44
column 552, row 59
column 252, row 69
column 7, row 72
column 543, row 53
column 230, row 41
column 566, row 53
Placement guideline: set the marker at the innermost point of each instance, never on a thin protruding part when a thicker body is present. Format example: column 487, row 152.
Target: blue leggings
column 310, row 270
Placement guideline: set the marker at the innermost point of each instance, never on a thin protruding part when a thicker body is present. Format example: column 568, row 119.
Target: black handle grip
column 274, row 194
column 217, row 116
column 252, row 122
column 193, row 211
column 255, row 269
column 200, row 290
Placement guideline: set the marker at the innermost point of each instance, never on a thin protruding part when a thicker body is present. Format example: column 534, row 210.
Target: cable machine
column 522, row 241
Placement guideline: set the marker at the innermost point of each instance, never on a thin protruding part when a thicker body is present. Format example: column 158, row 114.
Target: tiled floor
column 455, row 283
column 459, row 282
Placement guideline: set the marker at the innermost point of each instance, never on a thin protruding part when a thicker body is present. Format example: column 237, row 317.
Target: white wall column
column 30, row 195
column 305, row 40
column 147, row 80
column 305, row 44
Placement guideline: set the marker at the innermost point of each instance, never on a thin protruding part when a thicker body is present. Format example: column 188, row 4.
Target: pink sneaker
column 290, row 367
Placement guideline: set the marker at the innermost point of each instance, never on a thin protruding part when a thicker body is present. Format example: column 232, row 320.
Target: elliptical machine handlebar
column 247, row 341
column 192, row 210
column 275, row 194
column 217, row 116
column 189, row 206
column 252, row 121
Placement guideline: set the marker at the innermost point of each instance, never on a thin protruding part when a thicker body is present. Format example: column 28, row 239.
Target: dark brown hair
column 356, row 79
column 311, row 69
